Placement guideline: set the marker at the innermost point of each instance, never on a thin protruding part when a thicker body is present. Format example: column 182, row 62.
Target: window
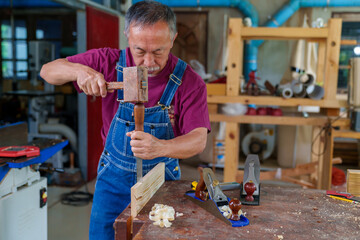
column 14, row 52
column 350, row 31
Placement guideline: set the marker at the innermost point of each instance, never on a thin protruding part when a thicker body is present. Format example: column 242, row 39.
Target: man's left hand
column 145, row 145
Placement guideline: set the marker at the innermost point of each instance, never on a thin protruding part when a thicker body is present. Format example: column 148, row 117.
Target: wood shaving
column 162, row 215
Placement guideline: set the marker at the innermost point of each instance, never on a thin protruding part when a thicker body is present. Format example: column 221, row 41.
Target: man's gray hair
column 148, row 13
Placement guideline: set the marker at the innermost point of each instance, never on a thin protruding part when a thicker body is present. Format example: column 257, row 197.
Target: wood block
column 231, row 151
column 213, row 108
column 135, row 84
column 143, row 190
column 353, row 182
column 216, row 89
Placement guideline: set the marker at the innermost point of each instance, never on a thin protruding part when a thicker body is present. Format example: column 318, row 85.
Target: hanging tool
column 214, row 200
column 135, row 86
column 250, row 187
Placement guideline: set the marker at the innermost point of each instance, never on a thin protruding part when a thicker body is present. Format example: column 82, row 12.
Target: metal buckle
column 177, row 83
column 163, row 107
column 118, row 68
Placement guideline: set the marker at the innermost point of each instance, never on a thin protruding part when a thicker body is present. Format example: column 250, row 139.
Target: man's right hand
column 91, row 82
column 61, row 71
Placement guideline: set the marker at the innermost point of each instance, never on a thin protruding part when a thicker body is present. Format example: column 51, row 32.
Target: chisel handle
column 139, row 112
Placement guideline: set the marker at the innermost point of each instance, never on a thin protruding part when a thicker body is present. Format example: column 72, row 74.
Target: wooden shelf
column 277, row 101
column 289, row 119
column 283, row 33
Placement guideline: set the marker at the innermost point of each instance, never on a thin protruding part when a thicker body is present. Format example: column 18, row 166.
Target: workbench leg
column 327, row 163
column 316, row 156
column 231, row 151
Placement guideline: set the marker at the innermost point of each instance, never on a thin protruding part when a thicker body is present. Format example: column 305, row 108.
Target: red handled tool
column 19, row 151
column 343, row 195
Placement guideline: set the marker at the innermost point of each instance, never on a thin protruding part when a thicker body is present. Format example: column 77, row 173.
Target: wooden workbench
column 284, row 213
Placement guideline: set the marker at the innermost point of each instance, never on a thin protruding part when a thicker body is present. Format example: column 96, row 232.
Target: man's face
column 150, row 46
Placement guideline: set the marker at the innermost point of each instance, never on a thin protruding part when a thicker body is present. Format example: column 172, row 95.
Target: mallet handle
column 114, row 85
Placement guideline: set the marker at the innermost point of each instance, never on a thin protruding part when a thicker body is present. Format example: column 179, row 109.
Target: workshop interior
column 283, row 92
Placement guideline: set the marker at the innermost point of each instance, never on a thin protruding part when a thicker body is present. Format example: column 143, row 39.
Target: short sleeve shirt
column 189, row 105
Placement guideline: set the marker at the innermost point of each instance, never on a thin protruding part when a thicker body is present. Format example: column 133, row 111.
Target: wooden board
column 234, row 63
column 283, row 33
column 143, row 190
column 231, row 151
column 279, row 101
column 290, row 213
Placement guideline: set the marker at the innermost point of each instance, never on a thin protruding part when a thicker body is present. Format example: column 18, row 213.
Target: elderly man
column 176, row 115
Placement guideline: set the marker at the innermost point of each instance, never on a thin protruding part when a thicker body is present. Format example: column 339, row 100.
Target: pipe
column 57, row 128
column 244, row 6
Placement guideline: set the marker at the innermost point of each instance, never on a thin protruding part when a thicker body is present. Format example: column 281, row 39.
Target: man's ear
column 172, row 44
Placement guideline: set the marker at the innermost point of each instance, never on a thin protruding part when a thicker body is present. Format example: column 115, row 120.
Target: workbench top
column 284, row 213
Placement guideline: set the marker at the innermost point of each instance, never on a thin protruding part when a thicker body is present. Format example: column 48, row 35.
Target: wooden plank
column 346, row 134
column 327, row 162
column 279, row 101
column 332, row 58
column 316, row 156
column 284, row 33
column 278, row 120
column 143, row 190
column 231, row 151
column 320, row 71
column 213, row 108
column 216, row 89
column 348, row 42
column 235, row 56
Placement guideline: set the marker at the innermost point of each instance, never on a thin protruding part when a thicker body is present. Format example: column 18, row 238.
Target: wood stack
column 353, row 182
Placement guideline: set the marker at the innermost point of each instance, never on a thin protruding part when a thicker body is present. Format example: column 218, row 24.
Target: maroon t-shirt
column 189, row 106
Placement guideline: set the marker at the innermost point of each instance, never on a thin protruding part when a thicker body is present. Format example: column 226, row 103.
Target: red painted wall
column 102, row 30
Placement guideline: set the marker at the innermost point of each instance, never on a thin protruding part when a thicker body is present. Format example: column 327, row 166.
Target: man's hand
column 91, row 82
column 145, row 145
column 61, row 71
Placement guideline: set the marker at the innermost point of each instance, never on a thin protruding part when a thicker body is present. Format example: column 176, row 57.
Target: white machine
column 23, row 204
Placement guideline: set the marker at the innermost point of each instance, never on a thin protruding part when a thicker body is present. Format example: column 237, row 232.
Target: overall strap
column 172, row 85
column 119, row 68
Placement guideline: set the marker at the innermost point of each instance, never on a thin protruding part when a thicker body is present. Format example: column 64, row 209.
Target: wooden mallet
column 135, row 86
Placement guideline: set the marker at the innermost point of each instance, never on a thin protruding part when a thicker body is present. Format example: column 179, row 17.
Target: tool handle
column 200, row 187
column 114, row 85
column 139, row 112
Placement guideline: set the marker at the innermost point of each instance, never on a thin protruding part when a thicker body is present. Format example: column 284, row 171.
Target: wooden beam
column 283, row 33
column 231, row 151
column 332, row 58
column 278, row 120
column 235, row 56
column 216, row 89
column 143, row 190
column 327, row 162
column 279, row 101
column 320, row 71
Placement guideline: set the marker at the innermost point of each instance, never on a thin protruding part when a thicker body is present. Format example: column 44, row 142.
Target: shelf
column 277, row 101
column 282, row 33
column 288, row 119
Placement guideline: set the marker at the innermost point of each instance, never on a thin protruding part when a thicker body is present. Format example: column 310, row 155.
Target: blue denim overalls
column 117, row 166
